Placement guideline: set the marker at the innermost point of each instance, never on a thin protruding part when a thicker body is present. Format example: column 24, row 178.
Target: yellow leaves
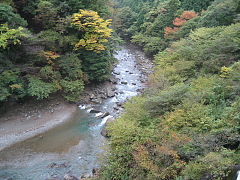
column 15, row 86
column 95, row 30
column 225, row 71
column 142, row 157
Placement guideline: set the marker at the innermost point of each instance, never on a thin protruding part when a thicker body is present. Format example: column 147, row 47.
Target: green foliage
column 11, row 85
column 220, row 13
column 125, row 19
column 10, row 36
column 196, row 5
column 56, row 41
column 71, row 66
column 40, row 89
column 151, row 45
column 46, row 14
column 165, row 100
column 215, row 165
column 72, row 89
column 8, row 16
column 96, row 66
column 186, row 125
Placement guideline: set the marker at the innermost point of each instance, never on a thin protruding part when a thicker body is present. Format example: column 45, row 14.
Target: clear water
column 77, row 146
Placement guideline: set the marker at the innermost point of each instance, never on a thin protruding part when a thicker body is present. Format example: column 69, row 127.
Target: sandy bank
column 18, row 128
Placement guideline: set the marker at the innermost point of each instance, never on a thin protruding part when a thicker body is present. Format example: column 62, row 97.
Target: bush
column 37, row 87
column 215, row 165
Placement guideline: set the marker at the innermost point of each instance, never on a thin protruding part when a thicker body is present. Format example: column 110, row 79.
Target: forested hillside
column 186, row 125
column 52, row 46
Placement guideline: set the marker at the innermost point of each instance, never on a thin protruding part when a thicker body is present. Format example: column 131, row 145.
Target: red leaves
column 179, row 22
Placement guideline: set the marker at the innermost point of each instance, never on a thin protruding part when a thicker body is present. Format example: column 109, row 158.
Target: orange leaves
column 49, row 55
column 160, row 159
column 170, row 30
column 144, row 159
column 179, row 22
column 188, row 15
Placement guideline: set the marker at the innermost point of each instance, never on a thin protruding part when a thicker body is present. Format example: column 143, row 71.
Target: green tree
column 196, row 5
column 8, row 16
column 46, row 14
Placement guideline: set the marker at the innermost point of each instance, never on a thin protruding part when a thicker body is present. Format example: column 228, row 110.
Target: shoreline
column 18, row 129
column 34, row 118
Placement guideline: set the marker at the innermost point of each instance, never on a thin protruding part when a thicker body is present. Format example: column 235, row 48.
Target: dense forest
column 186, row 125
column 54, row 46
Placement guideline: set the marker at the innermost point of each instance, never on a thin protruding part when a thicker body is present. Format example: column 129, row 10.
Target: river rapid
column 77, row 146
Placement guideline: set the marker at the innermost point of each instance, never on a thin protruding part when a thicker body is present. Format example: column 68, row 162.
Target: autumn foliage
column 179, row 22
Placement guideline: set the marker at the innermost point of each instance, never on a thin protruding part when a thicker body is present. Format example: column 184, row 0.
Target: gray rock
column 69, row 177
column 110, row 93
column 103, row 115
column 104, row 131
column 94, row 111
column 116, row 72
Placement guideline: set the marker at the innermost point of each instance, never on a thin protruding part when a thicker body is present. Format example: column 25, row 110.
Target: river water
column 77, row 146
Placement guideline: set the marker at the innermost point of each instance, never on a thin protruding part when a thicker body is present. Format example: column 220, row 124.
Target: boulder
column 104, row 131
column 69, row 177
column 113, row 79
column 94, row 111
column 110, row 92
column 123, row 82
column 103, row 115
column 95, row 171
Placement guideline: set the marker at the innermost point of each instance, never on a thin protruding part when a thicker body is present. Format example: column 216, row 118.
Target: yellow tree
column 94, row 30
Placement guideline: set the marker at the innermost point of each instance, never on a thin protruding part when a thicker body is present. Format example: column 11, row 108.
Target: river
column 77, row 146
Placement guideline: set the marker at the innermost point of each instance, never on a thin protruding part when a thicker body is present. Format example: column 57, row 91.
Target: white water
column 76, row 146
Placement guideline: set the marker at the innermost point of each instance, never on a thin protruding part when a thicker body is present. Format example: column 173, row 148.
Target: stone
column 104, row 131
column 94, row 111
column 69, row 177
column 123, row 82
column 95, row 171
column 52, row 165
column 103, row 115
column 97, row 101
column 84, row 176
column 110, row 93
column 116, row 72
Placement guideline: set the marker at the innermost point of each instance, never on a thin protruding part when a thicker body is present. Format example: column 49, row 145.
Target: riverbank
column 23, row 121
column 26, row 123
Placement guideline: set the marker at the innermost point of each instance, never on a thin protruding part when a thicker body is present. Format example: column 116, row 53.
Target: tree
column 46, row 14
column 179, row 22
column 196, row 5
column 8, row 16
column 10, row 36
column 93, row 30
